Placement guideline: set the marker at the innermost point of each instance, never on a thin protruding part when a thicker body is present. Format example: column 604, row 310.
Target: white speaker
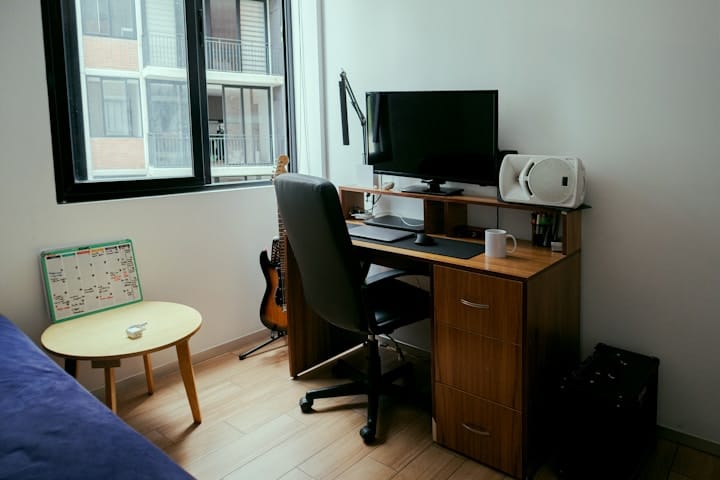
column 555, row 181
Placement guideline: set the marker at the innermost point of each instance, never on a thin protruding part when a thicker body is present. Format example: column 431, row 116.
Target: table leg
column 149, row 374
column 110, row 391
column 71, row 367
column 188, row 376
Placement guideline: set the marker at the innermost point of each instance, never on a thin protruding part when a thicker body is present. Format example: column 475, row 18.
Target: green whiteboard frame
column 55, row 316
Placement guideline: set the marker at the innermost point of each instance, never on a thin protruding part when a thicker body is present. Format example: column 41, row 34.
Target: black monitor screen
column 434, row 135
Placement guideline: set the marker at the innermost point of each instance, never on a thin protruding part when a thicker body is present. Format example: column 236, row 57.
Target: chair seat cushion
column 397, row 303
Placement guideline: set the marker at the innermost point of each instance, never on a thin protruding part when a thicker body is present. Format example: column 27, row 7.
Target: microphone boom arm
column 363, row 121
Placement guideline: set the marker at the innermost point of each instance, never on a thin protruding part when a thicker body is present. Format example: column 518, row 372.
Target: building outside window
column 114, row 107
column 111, row 18
column 169, row 124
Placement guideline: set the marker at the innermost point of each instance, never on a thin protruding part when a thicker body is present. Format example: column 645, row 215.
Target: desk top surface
column 102, row 336
column 523, row 263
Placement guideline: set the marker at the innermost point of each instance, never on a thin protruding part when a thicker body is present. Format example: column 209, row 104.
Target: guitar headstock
column 282, row 163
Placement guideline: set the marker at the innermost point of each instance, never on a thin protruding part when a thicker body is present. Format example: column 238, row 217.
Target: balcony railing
column 169, row 150
column 224, row 55
column 235, row 56
column 237, row 150
column 165, row 50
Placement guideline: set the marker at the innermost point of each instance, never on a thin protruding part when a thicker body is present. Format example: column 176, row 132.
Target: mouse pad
column 443, row 246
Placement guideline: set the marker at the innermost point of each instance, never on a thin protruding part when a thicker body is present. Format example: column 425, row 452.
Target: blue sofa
column 52, row 427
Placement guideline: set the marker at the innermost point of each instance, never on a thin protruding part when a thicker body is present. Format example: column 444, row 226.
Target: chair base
column 372, row 385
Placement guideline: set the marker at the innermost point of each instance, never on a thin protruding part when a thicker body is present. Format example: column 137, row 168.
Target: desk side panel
column 552, row 347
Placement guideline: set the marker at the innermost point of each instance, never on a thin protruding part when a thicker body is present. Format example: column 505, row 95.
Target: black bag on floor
column 608, row 410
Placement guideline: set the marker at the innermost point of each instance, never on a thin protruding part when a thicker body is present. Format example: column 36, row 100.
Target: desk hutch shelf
column 444, row 213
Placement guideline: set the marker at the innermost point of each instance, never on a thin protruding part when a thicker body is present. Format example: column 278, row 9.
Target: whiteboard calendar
column 90, row 278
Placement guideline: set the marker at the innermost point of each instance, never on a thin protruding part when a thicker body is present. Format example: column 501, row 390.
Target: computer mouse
column 422, row 239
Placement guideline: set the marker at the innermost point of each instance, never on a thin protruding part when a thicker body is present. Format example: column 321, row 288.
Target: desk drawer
column 479, row 303
column 478, row 365
column 482, row 430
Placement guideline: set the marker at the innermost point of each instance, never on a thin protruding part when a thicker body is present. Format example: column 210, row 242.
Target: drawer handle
column 468, row 303
column 476, row 430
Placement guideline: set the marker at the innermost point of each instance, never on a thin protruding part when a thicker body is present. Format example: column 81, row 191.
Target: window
column 136, row 114
column 113, row 107
column 237, row 35
column 110, row 18
column 169, row 124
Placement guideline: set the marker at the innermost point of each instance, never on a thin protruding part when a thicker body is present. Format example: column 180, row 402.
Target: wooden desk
column 504, row 331
column 101, row 338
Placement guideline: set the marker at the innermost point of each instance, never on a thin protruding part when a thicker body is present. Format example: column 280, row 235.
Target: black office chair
column 335, row 287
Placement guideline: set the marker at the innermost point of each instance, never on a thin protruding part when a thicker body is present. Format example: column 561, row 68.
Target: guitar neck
column 282, row 234
column 283, row 161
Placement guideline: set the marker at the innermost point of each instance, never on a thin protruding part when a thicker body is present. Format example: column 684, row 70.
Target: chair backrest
column 317, row 233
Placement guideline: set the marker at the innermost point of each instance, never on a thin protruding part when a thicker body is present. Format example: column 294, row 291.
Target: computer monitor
column 435, row 136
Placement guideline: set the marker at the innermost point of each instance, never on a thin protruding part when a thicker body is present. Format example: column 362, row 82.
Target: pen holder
column 544, row 228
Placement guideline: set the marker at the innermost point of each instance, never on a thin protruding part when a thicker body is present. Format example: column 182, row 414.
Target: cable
column 375, row 200
column 402, row 219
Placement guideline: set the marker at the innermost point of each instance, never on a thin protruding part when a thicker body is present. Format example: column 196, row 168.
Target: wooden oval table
column 102, row 339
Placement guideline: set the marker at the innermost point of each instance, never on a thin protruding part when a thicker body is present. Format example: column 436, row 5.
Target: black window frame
column 67, row 125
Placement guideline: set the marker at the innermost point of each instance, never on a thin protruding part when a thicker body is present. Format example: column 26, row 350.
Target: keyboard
column 379, row 233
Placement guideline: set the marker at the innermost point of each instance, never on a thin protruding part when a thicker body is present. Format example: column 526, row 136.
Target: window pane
column 114, row 18
column 164, row 37
column 253, row 36
column 123, row 18
column 103, row 17
column 90, row 16
column 117, row 145
column 95, row 110
column 257, row 113
column 134, row 115
column 245, row 95
column 115, row 108
column 169, row 134
column 223, row 19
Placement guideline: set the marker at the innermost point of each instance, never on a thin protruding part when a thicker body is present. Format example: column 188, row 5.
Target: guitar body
column 272, row 310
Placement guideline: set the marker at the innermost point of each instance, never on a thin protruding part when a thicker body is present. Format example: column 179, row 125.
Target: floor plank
column 696, row 465
column 253, row 428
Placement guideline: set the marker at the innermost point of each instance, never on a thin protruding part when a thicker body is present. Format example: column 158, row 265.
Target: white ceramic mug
column 496, row 242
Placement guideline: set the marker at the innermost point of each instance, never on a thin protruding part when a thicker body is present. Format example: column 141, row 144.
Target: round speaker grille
column 551, row 180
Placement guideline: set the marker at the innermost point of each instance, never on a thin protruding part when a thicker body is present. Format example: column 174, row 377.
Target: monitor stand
column 432, row 187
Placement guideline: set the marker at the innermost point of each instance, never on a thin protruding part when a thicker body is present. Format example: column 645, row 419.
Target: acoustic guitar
column 273, row 307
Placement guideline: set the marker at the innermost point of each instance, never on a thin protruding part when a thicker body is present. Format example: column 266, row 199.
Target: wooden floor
column 253, row 429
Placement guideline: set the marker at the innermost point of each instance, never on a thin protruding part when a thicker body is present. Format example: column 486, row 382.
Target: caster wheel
column 306, row 405
column 367, row 434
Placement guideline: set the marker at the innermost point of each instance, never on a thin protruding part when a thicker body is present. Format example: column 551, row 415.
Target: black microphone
column 343, row 110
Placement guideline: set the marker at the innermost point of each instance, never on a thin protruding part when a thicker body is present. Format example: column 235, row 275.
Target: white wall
column 200, row 249
column 633, row 88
